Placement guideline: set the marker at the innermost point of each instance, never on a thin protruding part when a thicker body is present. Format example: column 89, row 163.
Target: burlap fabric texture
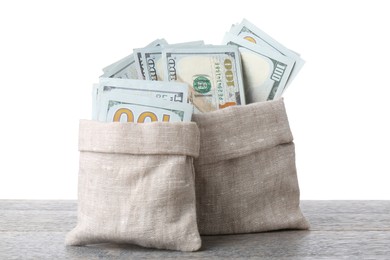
column 246, row 175
column 136, row 185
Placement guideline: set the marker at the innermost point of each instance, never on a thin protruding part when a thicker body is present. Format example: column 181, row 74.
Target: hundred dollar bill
column 121, row 107
column 148, row 60
column 152, row 59
column 212, row 72
column 168, row 91
column 126, row 67
column 265, row 71
column 250, row 32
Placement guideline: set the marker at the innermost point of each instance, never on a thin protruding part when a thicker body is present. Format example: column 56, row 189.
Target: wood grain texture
column 339, row 230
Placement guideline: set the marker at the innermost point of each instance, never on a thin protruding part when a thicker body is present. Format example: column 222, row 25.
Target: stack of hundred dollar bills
column 168, row 82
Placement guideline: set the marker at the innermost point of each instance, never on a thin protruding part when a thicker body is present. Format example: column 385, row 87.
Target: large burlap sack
column 136, row 185
column 245, row 175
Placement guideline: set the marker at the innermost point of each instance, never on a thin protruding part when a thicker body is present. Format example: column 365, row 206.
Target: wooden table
column 339, row 229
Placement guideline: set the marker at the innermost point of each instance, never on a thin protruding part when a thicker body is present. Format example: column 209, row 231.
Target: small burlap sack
column 245, row 175
column 136, row 185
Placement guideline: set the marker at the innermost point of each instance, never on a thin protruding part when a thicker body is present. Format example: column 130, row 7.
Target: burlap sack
column 136, row 185
column 245, row 175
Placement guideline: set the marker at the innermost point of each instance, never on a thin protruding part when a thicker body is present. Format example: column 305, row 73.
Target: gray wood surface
column 339, row 230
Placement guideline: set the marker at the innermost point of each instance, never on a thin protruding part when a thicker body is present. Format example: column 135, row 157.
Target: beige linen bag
column 136, row 185
column 245, row 175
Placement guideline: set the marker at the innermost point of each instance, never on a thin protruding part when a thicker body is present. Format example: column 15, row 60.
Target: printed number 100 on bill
column 141, row 114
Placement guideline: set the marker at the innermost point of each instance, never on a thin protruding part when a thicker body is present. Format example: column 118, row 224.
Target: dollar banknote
column 168, row 91
column 250, row 67
column 266, row 72
column 127, row 67
column 122, row 107
column 149, row 63
column 212, row 72
column 248, row 31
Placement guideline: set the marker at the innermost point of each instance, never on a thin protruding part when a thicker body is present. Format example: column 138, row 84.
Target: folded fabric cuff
column 179, row 138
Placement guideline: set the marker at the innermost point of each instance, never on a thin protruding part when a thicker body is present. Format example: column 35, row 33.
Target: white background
column 338, row 106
